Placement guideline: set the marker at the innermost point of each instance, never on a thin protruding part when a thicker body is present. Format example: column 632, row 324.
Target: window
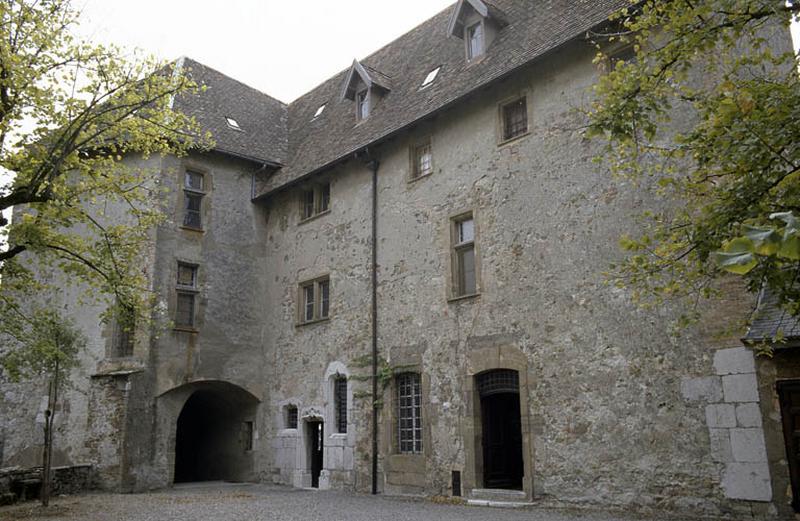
column 431, row 77
column 193, row 186
column 340, row 403
column 233, row 124
column 319, row 111
column 362, row 105
column 514, row 117
column 247, row 435
column 124, row 327
column 315, row 201
column 422, row 160
column 186, row 293
column 315, row 300
column 409, row 413
column 474, row 40
column 291, row 417
column 465, row 279
column 625, row 55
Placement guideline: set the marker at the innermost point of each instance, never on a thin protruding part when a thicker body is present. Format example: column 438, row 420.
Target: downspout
column 373, row 165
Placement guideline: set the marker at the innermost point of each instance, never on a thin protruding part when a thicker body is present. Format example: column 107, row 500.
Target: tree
column 46, row 346
column 728, row 169
column 70, row 112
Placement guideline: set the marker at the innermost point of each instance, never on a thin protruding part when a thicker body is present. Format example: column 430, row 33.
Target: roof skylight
column 431, row 77
column 232, row 123
column 319, row 111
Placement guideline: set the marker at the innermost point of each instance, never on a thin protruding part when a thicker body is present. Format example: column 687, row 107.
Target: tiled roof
column 292, row 136
column 771, row 321
column 262, row 118
column 535, row 27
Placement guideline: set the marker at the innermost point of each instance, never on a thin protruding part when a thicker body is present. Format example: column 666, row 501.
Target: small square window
column 315, row 201
column 184, row 312
column 431, row 77
column 319, row 111
column 422, row 160
column 233, row 124
column 187, row 275
column 514, row 119
column 193, row 181
column 291, row 417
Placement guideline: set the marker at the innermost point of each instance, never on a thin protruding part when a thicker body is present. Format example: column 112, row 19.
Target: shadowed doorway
column 214, row 437
column 501, row 429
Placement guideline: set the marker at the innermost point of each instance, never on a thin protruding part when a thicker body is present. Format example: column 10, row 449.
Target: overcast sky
column 282, row 48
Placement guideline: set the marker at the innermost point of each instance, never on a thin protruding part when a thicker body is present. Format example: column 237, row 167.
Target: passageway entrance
column 214, row 437
column 501, row 429
column 315, row 436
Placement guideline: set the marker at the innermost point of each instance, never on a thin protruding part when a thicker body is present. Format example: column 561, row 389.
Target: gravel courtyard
column 224, row 502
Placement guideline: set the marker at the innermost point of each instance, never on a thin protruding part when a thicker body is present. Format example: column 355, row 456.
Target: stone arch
column 207, row 431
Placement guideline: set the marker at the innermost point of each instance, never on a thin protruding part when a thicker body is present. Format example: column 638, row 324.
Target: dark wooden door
column 502, row 441
column 315, row 437
column 789, row 392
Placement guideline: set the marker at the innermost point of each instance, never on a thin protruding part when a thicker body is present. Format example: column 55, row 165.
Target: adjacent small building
column 395, row 283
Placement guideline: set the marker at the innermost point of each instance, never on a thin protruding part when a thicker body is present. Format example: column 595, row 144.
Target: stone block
column 720, row 445
column 708, row 389
column 738, row 360
column 740, row 388
column 721, row 416
column 749, row 481
column 749, row 415
column 349, row 460
column 747, row 445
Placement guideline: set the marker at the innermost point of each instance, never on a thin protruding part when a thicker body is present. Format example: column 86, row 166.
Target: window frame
column 186, row 290
column 502, row 125
column 289, row 422
column 191, row 193
column 472, row 56
column 363, row 105
column 416, row 429
column 319, row 204
column 319, row 312
column 458, row 289
column 414, row 155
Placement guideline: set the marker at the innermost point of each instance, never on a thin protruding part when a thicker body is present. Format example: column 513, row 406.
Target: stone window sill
column 463, row 297
column 192, row 229
column 312, row 322
column 507, row 142
column 419, row 177
column 314, row 217
column 185, row 329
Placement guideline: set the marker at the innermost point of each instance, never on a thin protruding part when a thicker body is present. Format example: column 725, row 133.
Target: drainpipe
column 373, row 164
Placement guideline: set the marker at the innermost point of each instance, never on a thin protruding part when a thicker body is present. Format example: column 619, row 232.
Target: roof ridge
column 187, row 59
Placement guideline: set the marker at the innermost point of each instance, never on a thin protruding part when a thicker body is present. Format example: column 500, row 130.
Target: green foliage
column 707, row 117
column 44, row 341
column 70, row 112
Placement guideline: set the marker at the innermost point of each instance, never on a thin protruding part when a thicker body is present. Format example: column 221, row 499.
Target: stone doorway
column 214, row 436
column 315, row 436
column 503, row 466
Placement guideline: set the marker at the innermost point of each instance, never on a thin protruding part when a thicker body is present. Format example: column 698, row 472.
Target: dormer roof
column 370, row 77
column 465, row 7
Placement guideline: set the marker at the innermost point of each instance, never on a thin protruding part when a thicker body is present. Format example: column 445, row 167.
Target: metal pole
column 374, row 165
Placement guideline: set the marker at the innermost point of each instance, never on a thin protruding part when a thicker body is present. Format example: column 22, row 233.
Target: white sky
column 283, row 48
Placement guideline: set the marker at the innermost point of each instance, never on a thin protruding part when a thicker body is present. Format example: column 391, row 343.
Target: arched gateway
column 214, row 433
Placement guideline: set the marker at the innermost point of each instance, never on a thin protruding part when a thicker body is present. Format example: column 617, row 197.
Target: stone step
column 494, row 497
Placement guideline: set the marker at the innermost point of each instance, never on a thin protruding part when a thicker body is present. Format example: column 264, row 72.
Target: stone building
column 431, row 215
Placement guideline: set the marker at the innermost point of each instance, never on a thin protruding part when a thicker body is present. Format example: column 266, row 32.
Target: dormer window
column 364, row 86
column 362, row 105
column 233, row 124
column 478, row 24
column 319, row 111
column 474, row 38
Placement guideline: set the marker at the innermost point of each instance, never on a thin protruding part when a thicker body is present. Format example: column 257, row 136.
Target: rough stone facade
column 614, row 410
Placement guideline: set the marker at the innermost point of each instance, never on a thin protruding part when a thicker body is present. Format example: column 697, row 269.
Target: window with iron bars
column 409, row 413
column 515, row 118
column 340, row 401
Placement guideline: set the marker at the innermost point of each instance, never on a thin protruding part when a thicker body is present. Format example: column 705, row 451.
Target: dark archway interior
column 501, row 428
column 209, row 443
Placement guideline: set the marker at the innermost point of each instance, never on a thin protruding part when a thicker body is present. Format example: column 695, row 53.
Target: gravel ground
column 224, row 502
